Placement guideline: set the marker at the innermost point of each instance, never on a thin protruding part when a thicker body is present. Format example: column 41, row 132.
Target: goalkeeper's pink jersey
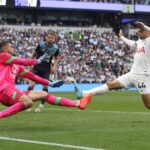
column 10, row 67
column 8, row 74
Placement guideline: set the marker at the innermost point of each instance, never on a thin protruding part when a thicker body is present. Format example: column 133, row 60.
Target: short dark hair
column 50, row 32
column 2, row 44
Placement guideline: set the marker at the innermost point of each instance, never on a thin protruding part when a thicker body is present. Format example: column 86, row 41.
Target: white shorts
column 141, row 82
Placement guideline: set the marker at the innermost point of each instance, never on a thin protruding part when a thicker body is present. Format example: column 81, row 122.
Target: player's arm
column 23, row 73
column 8, row 59
column 130, row 43
column 54, row 64
column 142, row 25
column 55, row 61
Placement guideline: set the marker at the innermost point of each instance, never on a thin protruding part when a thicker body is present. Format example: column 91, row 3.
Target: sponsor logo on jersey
column 140, row 50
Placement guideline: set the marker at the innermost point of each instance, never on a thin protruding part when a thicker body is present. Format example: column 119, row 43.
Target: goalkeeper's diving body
column 138, row 76
column 18, row 100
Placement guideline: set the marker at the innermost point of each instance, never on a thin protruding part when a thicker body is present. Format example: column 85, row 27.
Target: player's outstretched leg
column 98, row 90
column 81, row 104
column 29, row 89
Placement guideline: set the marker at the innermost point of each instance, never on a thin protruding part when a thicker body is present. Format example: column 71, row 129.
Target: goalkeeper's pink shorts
column 10, row 95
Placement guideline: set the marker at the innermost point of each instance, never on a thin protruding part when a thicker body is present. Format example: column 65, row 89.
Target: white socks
column 98, row 90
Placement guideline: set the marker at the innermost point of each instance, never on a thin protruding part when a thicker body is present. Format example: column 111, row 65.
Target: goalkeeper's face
column 50, row 39
column 9, row 48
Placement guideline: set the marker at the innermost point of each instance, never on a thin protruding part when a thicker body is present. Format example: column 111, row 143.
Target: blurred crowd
column 88, row 56
column 143, row 2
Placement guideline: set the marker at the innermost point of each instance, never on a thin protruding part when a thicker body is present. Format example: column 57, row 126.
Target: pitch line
column 48, row 143
column 94, row 111
column 100, row 111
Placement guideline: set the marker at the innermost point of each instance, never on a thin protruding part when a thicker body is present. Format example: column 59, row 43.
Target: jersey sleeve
column 37, row 49
column 130, row 43
column 23, row 73
column 57, row 50
column 8, row 59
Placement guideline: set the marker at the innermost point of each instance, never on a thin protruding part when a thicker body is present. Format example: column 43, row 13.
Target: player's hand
column 120, row 33
column 41, row 59
column 140, row 25
column 56, row 83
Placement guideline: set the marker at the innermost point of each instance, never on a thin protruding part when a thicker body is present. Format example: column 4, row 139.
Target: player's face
column 9, row 49
column 143, row 34
column 50, row 39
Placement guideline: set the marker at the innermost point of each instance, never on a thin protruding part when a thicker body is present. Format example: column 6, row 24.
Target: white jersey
column 141, row 63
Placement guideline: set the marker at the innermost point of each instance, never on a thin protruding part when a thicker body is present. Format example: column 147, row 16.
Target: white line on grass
column 48, row 143
column 100, row 111
column 94, row 111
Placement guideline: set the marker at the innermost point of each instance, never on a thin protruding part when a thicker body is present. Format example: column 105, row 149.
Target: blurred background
column 91, row 51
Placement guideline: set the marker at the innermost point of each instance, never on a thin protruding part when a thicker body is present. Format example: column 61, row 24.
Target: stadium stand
column 87, row 55
column 143, row 2
column 89, row 52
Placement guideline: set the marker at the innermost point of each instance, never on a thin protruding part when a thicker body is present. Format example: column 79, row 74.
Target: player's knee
column 114, row 85
column 28, row 103
column 44, row 93
column 26, row 100
column 110, row 85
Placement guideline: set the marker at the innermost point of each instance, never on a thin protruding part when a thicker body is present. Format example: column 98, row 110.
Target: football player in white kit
column 139, row 75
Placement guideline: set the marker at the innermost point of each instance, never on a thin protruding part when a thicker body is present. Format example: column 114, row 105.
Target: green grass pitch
column 114, row 121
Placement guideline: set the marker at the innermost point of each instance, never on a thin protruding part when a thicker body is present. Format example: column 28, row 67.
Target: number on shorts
column 141, row 85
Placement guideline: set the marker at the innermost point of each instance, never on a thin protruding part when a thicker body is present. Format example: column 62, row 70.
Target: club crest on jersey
column 140, row 50
column 51, row 51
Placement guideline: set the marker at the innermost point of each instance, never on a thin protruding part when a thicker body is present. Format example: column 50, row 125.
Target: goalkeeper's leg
column 60, row 101
column 30, row 87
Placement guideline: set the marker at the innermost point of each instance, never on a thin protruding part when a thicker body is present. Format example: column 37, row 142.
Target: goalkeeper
column 18, row 100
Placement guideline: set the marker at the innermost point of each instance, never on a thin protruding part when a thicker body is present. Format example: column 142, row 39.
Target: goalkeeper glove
column 56, row 83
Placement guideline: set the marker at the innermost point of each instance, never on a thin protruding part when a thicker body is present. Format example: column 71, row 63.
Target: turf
column 115, row 121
